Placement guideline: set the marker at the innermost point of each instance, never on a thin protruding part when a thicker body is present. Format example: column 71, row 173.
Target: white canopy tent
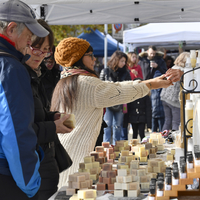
column 163, row 34
column 72, row 12
column 61, row 12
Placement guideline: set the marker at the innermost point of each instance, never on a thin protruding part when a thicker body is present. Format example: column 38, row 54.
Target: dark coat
column 157, row 107
column 45, row 129
column 139, row 111
column 49, row 79
column 108, row 74
column 147, row 71
column 43, row 122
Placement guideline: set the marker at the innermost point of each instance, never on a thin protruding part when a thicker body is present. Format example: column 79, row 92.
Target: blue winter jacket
column 18, row 155
column 157, row 107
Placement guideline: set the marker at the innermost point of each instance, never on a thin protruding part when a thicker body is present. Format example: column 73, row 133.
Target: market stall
column 167, row 35
column 96, row 40
column 97, row 12
column 60, row 12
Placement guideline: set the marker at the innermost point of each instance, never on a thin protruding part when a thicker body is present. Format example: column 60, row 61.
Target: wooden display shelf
column 189, row 193
column 197, row 169
column 186, row 181
column 178, row 187
column 191, row 170
column 162, row 198
column 170, row 193
column 193, row 175
column 180, row 190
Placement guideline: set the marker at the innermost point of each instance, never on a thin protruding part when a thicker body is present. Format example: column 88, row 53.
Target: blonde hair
column 129, row 58
column 181, row 59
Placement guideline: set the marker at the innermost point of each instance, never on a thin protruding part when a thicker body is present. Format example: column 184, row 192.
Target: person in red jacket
column 135, row 69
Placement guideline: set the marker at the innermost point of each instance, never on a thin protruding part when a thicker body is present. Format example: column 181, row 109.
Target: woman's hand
column 56, row 116
column 162, row 82
column 134, row 72
column 158, row 82
column 60, row 127
column 174, row 74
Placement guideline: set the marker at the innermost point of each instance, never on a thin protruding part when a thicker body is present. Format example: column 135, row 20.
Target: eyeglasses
column 38, row 52
column 90, row 54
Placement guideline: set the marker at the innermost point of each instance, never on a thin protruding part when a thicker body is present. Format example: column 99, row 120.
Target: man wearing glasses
column 19, row 160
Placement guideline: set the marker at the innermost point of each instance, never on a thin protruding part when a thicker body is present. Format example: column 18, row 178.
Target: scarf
column 71, row 71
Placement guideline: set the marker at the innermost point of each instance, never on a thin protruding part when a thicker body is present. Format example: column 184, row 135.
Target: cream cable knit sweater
column 93, row 96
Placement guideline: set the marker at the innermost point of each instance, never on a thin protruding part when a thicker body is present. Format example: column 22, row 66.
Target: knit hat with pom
column 70, row 50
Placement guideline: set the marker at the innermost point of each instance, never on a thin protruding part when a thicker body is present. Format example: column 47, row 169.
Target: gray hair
column 4, row 25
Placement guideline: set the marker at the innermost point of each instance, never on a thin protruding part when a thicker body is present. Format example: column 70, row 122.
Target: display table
column 61, row 189
column 106, row 196
column 168, row 147
column 99, row 197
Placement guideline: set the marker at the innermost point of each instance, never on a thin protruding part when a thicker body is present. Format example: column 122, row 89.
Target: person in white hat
column 19, row 154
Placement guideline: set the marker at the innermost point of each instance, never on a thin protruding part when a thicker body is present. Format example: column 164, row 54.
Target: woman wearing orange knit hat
column 82, row 93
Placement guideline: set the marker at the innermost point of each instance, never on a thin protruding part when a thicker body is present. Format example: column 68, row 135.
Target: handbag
column 62, row 157
column 125, row 108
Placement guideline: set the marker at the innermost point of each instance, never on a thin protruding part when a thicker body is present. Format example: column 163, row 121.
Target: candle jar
column 174, row 165
column 152, row 191
column 190, row 161
column 168, row 181
column 196, row 148
column 160, row 188
column 175, row 177
column 183, row 173
column 197, row 158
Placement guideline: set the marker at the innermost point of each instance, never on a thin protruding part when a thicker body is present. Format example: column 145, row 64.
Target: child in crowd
column 139, row 114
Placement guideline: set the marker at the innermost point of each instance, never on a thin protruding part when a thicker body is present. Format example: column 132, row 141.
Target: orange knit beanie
column 70, row 50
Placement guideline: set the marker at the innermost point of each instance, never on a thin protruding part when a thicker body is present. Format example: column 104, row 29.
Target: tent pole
column 105, row 45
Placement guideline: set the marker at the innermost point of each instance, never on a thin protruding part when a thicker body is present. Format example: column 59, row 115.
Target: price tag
column 175, row 181
column 168, row 187
column 160, row 193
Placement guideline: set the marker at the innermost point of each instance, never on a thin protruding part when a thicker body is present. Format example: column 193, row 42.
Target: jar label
column 197, row 162
column 175, row 181
column 151, row 198
column 190, row 165
column 168, row 187
column 160, row 193
column 183, row 175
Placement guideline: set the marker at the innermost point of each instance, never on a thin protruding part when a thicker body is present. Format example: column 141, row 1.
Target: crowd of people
column 151, row 112
column 34, row 92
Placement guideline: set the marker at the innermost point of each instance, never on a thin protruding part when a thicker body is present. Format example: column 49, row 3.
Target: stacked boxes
column 110, row 154
column 126, row 158
column 121, row 145
column 156, row 166
column 140, row 152
column 99, row 154
column 77, row 181
column 125, row 186
column 157, row 140
column 129, row 181
column 87, row 194
column 104, row 153
column 151, row 150
column 134, row 142
column 171, row 155
column 173, row 152
column 140, row 174
column 107, row 177
column 90, row 166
